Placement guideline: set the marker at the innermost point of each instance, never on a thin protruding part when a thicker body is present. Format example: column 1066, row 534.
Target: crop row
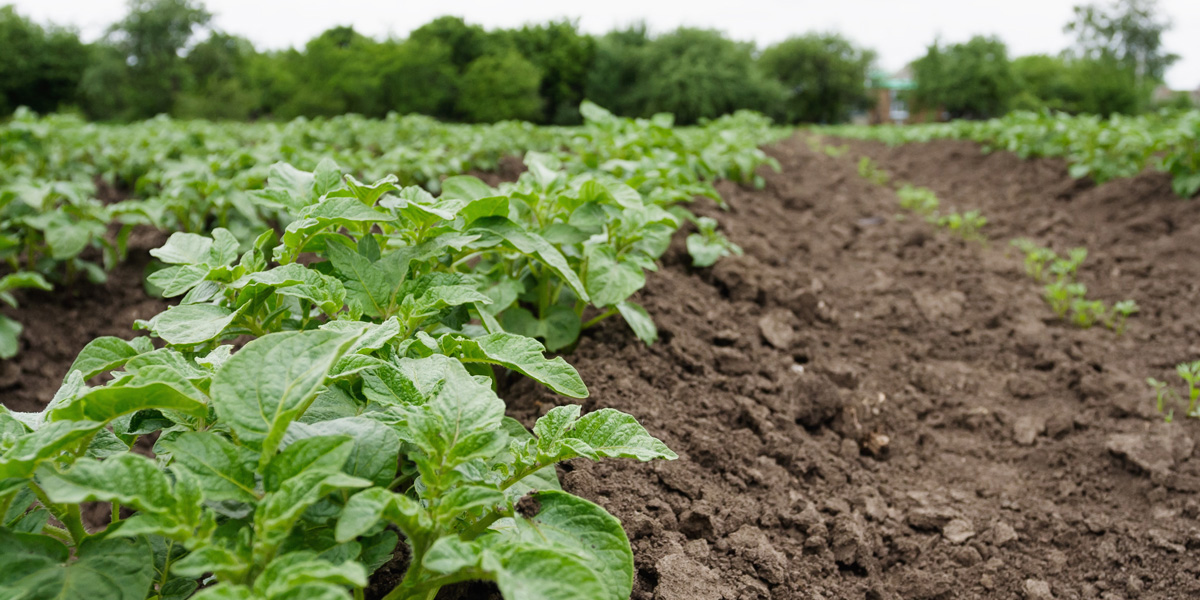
column 72, row 192
column 1096, row 147
column 327, row 390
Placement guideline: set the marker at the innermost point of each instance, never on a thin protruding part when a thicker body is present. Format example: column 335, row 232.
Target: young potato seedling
column 1166, row 397
column 870, row 171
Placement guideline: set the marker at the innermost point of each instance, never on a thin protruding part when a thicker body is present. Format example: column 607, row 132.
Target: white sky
column 897, row 30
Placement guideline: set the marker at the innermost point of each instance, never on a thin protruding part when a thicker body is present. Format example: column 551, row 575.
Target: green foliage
column 499, row 87
column 1167, row 398
column 360, row 401
column 823, row 74
column 869, row 170
column 40, row 68
column 920, row 200
column 1066, row 296
column 966, row 224
column 1094, row 147
column 968, row 80
column 150, row 40
column 1126, row 31
column 707, row 245
column 564, row 57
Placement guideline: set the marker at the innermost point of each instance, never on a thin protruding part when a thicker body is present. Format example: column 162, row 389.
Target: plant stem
column 69, row 516
column 600, row 317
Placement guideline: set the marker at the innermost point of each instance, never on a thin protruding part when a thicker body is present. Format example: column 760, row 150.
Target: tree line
column 164, row 57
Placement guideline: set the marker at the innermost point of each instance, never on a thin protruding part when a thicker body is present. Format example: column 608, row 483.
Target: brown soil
column 59, row 323
column 868, row 408
column 865, row 407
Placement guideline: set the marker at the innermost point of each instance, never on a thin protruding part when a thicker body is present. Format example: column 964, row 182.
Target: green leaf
column 369, row 194
column 367, row 508
column 271, row 381
column 586, row 530
column 521, row 354
column 153, row 387
column 325, row 454
column 190, row 324
column 184, row 249
column 130, row 479
column 279, row 511
column 20, row 460
column 290, row 572
column 10, row 337
column 326, row 176
column 531, row 244
column 223, row 470
column 466, row 187
column 545, row 574
column 24, row 280
column 113, row 569
column 376, row 448
column 639, row 321
column 559, row 329
column 611, row 433
column 298, row 185
column 344, row 212
column 609, row 280
column 174, row 281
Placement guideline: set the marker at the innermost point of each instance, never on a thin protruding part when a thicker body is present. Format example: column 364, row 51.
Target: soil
column 59, row 323
column 866, row 407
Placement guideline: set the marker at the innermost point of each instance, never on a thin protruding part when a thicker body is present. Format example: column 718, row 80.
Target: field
column 836, row 376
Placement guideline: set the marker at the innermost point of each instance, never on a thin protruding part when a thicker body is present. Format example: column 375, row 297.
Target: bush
column 499, row 87
column 972, row 80
column 823, row 74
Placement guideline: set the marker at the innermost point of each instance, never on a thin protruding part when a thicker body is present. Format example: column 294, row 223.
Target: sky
column 898, row 30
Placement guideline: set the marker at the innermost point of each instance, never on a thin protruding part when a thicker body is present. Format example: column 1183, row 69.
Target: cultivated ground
column 867, row 407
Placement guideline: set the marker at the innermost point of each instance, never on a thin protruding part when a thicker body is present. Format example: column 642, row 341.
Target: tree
column 1128, row 31
column 617, row 69
column 39, row 68
column 564, row 56
column 503, row 86
column 971, row 80
column 337, row 73
column 697, row 73
column 466, row 42
column 152, row 37
column 419, row 77
column 824, row 76
column 219, row 86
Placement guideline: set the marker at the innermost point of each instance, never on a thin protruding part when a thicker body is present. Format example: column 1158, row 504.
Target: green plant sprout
column 1036, row 257
column 1085, row 313
column 871, row 171
column 920, row 200
column 1190, row 372
column 1162, row 393
column 1121, row 312
column 966, row 225
column 1165, row 397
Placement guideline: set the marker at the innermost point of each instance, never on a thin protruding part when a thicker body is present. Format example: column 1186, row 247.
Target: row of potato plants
column 195, row 175
column 322, row 395
column 1097, row 147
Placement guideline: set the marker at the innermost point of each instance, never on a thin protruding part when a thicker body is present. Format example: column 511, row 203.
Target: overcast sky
column 897, row 30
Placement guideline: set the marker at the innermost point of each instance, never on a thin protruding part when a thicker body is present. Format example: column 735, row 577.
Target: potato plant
column 1096, row 147
column 1068, row 297
column 363, row 400
column 324, row 393
column 1167, row 398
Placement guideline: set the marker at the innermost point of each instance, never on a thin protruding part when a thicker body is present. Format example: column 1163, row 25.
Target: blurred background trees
column 165, row 57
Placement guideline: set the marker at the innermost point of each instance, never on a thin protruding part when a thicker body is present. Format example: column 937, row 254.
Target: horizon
column 919, row 26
